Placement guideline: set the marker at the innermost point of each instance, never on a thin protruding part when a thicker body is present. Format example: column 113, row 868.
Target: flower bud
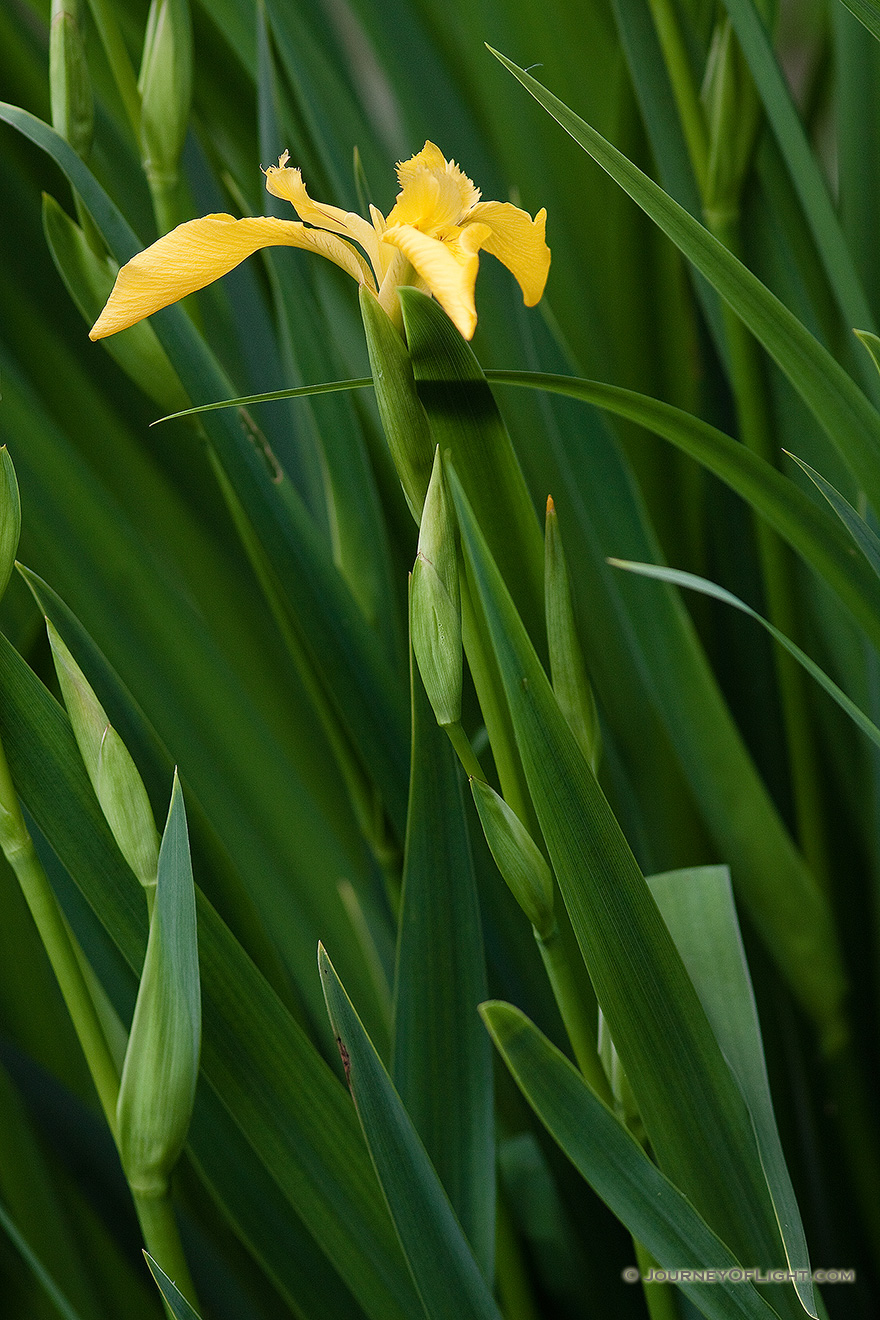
column 117, row 784
column 162, row 1060
column 70, row 89
column 517, row 856
column 10, row 518
column 165, row 85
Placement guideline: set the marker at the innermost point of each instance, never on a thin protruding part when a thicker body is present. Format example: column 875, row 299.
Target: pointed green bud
column 517, row 856
column 437, row 539
column 435, row 607
column 733, row 114
column 70, row 88
column 162, row 1060
column 404, row 420
column 10, row 518
column 89, row 277
column 117, row 784
column 165, row 85
column 435, row 627
column 568, row 672
column 624, row 1100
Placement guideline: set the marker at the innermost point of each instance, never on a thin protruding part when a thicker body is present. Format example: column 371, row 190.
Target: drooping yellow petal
column 285, row 182
column 200, row 251
column 518, row 242
column 449, row 268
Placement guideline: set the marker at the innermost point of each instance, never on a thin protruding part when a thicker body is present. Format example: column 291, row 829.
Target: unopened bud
column 517, row 856
column 10, row 517
column 117, row 784
column 165, row 85
column 70, row 89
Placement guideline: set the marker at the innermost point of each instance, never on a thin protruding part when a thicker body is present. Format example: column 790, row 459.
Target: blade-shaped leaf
column 678, row 578
column 173, row 1297
column 864, row 536
column 691, row 1107
column 442, row 1062
column 443, row 1267
column 697, row 906
column 617, row 1168
column 851, row 422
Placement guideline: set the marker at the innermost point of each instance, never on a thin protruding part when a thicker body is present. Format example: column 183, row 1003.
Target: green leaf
column 798, row 519
column 48, row 1284
column 697, row 906
column 863, row 535
column 173, row 1297
column 676, row 577
column 10, row 517
column 851, row 422
column 618, row 1170
column 442, row 1060
column 281, row 1096
column 162, row 1060
column 443, row 1267
column 694, row 1114
column 868, row 13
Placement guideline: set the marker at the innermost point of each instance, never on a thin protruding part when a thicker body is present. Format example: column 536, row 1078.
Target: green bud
column 404, row 420
column 517, row 856
column 437, row 541
column 568, row 671
column 624, row 1100
column 89, row 276
column 70, row 88
column 732, row 113
column 162, row 1060
column 435, row 627
column 10, row 517
column 117, row 784
column 165, row 85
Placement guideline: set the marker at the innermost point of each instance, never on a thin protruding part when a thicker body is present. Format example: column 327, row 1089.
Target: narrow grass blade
column 443, row 1267
column 691, row 1107
column 10, row 517
column 806, row 173
column 779, row 501
column 697, row 906
column 851, row 422
column 617, row 1168
column 281, row 1095
column 676, row 577
column 864, row 536
column 868, row 13
column 442, row 1060
column 172, row 1296
column 48, row 1284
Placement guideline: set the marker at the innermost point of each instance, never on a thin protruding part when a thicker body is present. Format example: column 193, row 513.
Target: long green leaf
column 676, row 577
column 176, row 1302
column 280, row 1094
column 692, row 1109
column 863, row 535
column 443, row 1267
column 796, row 517
column 442, row 1061
column 617, row 1168
column 868, row 13
column 851, row 422
column 47, row 1283
column 697, row 906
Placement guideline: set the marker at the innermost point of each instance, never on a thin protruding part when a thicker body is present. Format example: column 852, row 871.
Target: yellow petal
column 286, row 182
column 449, row 268
column 435, row 194
column 200, row 251
column 518, row 242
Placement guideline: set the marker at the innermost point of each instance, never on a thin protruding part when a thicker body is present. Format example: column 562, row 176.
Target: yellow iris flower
column 431, row 239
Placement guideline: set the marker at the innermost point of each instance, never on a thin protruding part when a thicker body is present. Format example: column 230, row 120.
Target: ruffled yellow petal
column 518, row 242
column 285, row 182
column 200, row 251
column 449, row 268
column 435, row 194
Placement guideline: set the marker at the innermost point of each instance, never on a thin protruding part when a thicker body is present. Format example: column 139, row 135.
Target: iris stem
column 58, row 941
column 581, row 1030
column 161, row 1235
